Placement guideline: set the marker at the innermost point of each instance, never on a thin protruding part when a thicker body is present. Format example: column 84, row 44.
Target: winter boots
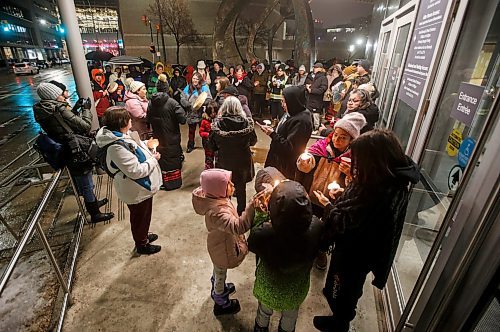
column 223, row 304
column 190, row 147
column 95, row 214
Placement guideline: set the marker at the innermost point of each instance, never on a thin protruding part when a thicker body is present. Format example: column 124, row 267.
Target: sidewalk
column 170, row 291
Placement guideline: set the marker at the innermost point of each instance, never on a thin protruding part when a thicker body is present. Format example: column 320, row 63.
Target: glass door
column 447, row 145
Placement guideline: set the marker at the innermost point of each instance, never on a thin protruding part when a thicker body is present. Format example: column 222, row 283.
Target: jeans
column 287, row 321
column 220, row 275
column 85, row 186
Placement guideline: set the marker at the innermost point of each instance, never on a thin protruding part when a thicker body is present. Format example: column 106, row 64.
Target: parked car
column 42, row 64
column 26, row 68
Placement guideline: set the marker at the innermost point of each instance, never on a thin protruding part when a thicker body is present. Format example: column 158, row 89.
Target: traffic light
column 144, row 19
column 152, row 49
column 157, row 26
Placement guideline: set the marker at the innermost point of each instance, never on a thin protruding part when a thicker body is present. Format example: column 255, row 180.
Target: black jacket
column 318, row 87
column 290, row 139
column 176, row 83
column 290, row 242
column 80, row 123
column 165, row 115
column 232, row 136
column 244, row 87
column 214, row 75
column 365, row 224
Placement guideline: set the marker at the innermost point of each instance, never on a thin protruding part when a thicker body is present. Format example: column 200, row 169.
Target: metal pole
column 29, row 231
column 78, row 201
column 152, row 41
column 75, row 49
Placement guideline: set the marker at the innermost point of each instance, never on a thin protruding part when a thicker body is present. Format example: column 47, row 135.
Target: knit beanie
column 59, row 85
column 135, row 86
column 48, row 91
column 214, row 182
column 352, row 123
column 302, row 67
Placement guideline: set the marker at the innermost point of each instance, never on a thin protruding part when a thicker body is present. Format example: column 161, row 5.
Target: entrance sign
column 465, row 151
column 430, row 17
column 466, row 102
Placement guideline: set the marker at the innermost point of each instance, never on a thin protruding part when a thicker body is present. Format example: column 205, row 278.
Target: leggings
column 192, row 132
column 220, row 275
column 287, row 321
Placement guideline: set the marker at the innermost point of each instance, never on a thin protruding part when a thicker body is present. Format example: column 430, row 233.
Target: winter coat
column 298, row 80
column 244, row 104
column 286, row 252
column 101, row 101
column 226, row 241
column 260, row 89
column 318, row 87
column 277, row 91
column 138, row 109
column 80, row 123
column 214, row 75
column 244, row 86
column 232, row 136
column 205, row 127
column 139, row 176
column 165, row 115
column 176, row 83
column 192, row 115
column 365, row 225
column 290, row 139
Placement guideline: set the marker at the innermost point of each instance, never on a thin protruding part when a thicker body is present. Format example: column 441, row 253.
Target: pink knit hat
column 214, row 182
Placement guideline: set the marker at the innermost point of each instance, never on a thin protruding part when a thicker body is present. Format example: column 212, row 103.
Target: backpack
column 51, row 151
column 103, row 152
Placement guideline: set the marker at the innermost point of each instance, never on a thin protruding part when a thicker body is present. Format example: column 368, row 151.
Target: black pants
column 260, row 104
column 343, row 288
column 276, row 109
column 240, row 193
column 140, row 219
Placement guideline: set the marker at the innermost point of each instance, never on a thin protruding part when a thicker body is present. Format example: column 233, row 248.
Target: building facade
column 30, row 29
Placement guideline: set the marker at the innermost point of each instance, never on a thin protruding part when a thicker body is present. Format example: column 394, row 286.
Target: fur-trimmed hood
column 232, row 125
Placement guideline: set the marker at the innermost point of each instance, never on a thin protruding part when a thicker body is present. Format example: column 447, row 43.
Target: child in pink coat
column 226, row 242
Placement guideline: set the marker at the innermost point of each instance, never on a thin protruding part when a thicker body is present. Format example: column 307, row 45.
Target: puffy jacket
column 139, row 176
column 262, row 79
column 318, row 87
column 226, row 241
column 101, row 101
column 138, row 109
column 192, row 115
column 205, row 127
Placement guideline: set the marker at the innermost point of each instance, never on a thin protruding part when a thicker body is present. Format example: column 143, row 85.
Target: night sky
column 333, row 12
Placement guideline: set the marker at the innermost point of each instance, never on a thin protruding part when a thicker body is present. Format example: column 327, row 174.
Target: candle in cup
column 267, row 122
column 306, row 155
column 346, row 160
column 333, row 186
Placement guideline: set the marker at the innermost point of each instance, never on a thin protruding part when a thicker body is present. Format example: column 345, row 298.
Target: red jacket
column 205, row 128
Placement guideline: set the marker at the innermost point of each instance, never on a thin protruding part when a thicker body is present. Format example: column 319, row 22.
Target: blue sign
column 465, row 151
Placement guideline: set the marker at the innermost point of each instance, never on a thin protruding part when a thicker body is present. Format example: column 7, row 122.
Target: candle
column 333, row 186
column 346, row 160
column 276, row 183
column 305, row 156
column 267, row 122
column 154, row 148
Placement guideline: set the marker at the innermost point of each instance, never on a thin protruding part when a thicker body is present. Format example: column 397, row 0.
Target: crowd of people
column 346, row 194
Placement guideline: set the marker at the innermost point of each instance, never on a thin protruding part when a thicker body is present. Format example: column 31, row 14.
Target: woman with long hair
column 364, row 223
column 232, row 136
column 195, row 87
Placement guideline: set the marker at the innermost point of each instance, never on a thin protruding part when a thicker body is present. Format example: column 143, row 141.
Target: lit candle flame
column 333, row 186
column 305, row 156
column 276, row 183
column 154, row 147
column 267, row 122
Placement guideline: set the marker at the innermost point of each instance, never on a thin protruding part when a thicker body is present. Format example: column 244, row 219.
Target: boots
column 190, row 147
column 225, row 306
column 102, row 202
column 96, row 215
column 229, row 289
column 258, row 328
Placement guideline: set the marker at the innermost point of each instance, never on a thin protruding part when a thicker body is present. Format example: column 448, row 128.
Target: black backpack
column 103, row 152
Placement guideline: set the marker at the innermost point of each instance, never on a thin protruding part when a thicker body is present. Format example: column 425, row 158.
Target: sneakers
column 152, row 237
column 231, row 307
column 321, row 261
column 148, row 249
column 190, row 147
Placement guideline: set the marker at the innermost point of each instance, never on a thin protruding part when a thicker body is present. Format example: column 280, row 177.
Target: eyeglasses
column 350, row 100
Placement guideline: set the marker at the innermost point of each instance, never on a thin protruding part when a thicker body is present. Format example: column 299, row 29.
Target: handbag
column 83, row 148
column 51, row 151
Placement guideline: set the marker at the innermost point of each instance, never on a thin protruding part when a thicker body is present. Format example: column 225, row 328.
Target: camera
column 86, row 103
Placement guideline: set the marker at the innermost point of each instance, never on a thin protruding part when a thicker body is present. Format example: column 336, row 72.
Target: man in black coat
column 316, row 90
column 290, row 137
column 165, row 115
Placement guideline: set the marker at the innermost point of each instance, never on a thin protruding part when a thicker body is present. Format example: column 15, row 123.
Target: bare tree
column 175, row 19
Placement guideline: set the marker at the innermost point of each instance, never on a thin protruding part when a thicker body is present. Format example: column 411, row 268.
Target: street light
column 43, row 21
column 351, row 48
column 359, row 41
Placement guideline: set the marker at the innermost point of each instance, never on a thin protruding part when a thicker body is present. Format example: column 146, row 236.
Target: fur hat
column 48, row 91
column 352, row 123
column 302, row 67
column 201, row 65
column 214, row 182
column 135, row 86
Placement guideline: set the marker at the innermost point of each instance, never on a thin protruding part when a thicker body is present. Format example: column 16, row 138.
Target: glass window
column 476, row 61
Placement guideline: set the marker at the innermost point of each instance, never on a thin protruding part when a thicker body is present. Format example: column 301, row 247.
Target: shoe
column 152, row 237
column 321, row 261
column 280, row 329
column 102, row 202
column 96, row 215
column 148, row 249
column 230, row 308
column 190, row 147
column 323, row 323
column 229, row 289
column 257, row 328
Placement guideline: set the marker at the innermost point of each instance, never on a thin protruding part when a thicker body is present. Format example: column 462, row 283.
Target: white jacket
column 139, row 176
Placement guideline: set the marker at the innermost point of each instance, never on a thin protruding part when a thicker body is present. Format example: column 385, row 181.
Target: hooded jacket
column 226, row 241
column 165, row 115
column 286, row 247
column 232, row 136
column 138, row 109
column 290, row 139
column 139, row 176
column 365, row 225
column 101, row 101
column 262, row 78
